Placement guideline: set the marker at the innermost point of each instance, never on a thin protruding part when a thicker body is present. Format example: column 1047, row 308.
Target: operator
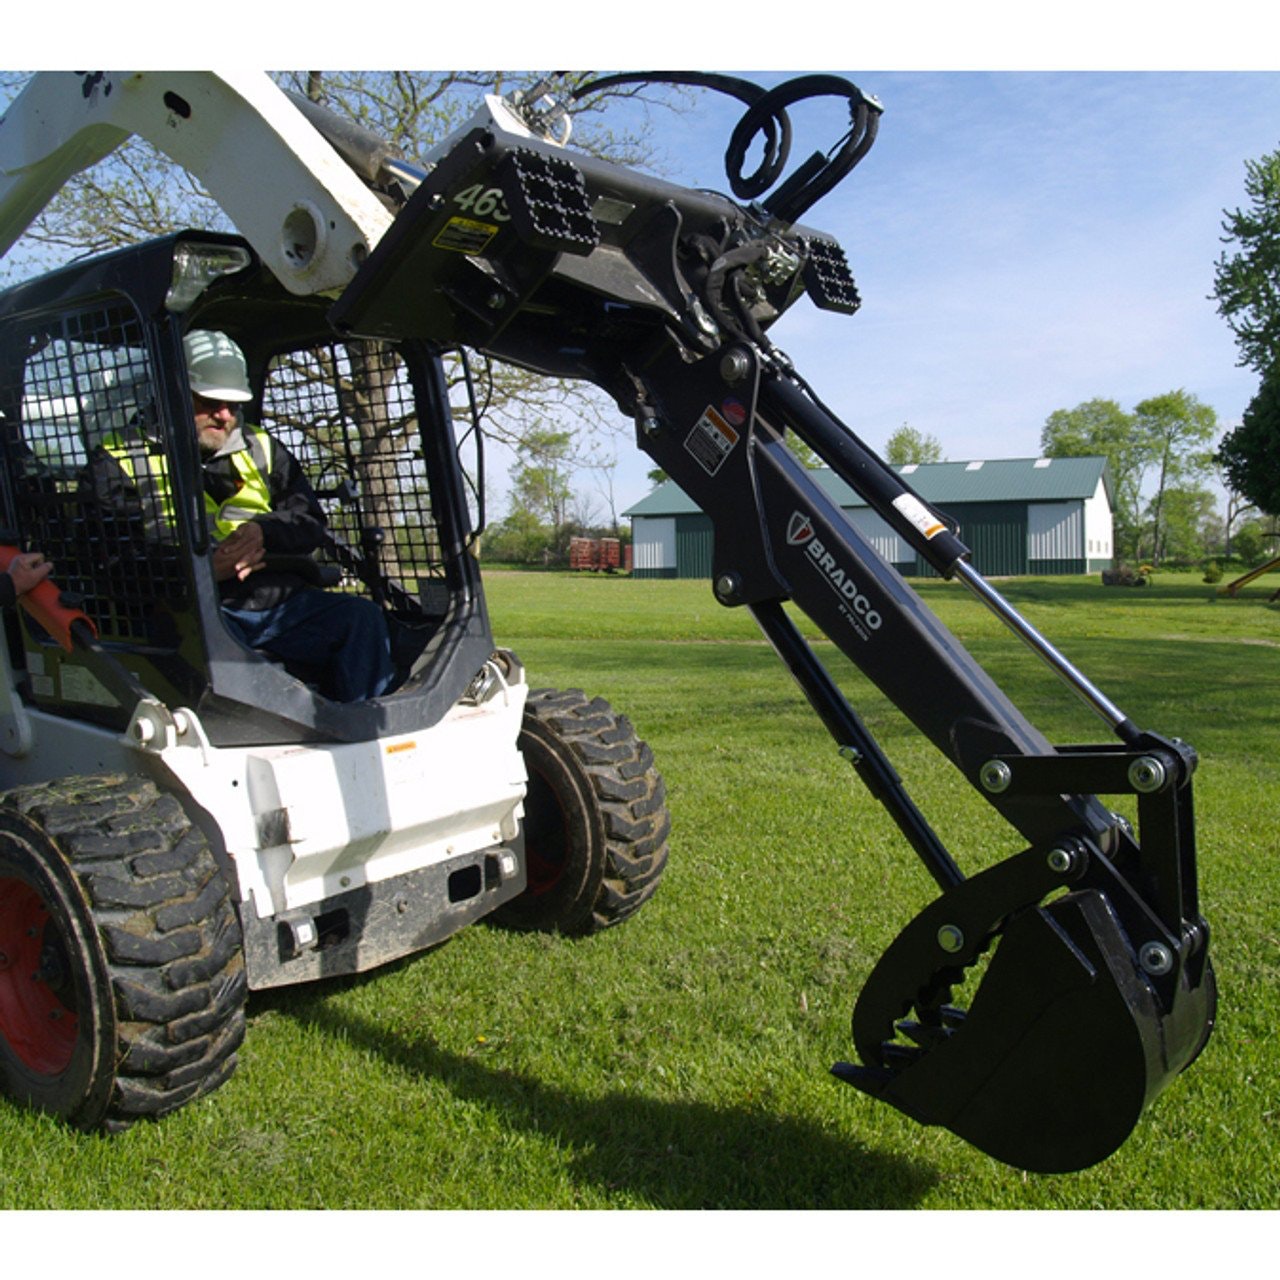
column 26, row 571
column 259, row 503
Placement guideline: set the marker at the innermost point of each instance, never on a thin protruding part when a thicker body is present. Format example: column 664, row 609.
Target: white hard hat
column 216, row 367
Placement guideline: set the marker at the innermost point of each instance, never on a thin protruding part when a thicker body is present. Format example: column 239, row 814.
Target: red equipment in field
column 597, row 554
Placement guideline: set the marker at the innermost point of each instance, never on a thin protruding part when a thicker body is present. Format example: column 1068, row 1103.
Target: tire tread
column 628, row 793
column 169, row 933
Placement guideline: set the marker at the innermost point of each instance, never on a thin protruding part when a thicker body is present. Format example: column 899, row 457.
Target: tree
column 907, row 445
column 1168, row 435
column 1100, row 428
column 540, row 478
column 802, row 451
column 1238, row 506
column 538, row 524
column 1178, row 430
column 1247, row 286
column 1251, row 542
column 604, row 467
column 1246, row 282
column 1250, row 455
column 1188, row 523
column 519, row 538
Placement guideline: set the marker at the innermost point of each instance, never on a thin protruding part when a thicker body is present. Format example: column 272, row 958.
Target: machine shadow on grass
column 739, row 1159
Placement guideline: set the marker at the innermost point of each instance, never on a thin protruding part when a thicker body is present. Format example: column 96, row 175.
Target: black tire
column 596, row 821
column 112, row 901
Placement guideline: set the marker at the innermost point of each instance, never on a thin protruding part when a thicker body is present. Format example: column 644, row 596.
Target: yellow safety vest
column 149, row 471
column 253, row 498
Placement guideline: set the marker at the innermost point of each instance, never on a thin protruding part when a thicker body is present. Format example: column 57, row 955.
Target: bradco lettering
column 844, row 585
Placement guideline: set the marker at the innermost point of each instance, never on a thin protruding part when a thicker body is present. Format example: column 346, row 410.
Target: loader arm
column 313, row 222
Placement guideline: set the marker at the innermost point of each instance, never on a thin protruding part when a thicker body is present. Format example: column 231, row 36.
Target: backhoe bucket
column 1065, row 1040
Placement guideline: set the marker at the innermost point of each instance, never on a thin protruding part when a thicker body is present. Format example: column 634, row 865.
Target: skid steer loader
column 187, row 820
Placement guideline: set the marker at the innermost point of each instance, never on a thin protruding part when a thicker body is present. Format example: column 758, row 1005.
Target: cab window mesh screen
column 346, row 412
column 88, row 480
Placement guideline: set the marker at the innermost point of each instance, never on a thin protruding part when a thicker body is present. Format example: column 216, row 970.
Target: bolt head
column 995, row 776
column 735, row 365
column 727, row 585
column 1155, row 958
column 703, row 318
column 1146, row 774
column 951, row 938
column 1061, row 860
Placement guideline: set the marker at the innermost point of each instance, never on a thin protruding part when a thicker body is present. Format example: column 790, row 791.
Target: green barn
column 1017, row 515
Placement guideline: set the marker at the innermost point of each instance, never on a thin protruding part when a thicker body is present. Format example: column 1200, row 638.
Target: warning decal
column 465, row 235
column 711, row 440
column 909, row 506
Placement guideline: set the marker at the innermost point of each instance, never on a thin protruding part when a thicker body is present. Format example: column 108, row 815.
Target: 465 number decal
column 483, row 202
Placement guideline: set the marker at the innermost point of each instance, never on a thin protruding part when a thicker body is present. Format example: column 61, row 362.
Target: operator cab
column 92, row 354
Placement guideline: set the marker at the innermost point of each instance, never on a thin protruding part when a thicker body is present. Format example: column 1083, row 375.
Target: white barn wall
column 1055, row 531
column 653, row 548
column 877, row 532
column 1098, row 529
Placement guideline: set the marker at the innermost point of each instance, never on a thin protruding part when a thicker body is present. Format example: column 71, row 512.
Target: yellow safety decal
column 464, row 235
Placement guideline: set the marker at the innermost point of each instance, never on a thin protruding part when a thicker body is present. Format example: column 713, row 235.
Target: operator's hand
column 240, row 553
column 28, row 570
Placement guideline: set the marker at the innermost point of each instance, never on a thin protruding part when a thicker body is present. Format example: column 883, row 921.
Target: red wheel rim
column 38, row 1026
column 545, row 836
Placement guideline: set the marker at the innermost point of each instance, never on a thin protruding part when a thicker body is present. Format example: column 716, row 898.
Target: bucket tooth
column 898, row 1056
column 926, row 1035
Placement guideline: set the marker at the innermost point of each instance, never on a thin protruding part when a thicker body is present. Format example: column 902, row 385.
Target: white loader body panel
column 304, row 823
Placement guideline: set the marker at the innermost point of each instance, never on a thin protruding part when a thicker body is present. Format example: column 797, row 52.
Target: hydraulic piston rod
column 1075, row 680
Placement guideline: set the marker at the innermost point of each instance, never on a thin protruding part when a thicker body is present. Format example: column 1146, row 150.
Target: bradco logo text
column 800, row 533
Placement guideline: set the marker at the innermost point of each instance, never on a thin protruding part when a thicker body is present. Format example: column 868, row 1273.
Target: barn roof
column 941, row 483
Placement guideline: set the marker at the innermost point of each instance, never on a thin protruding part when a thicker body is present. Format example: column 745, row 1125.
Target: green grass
column 681, row 1061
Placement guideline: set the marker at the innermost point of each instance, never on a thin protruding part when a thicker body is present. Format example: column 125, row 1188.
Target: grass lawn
column 681, row 1061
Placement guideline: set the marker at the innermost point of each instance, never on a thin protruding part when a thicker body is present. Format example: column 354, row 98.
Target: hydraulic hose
column 766, row 117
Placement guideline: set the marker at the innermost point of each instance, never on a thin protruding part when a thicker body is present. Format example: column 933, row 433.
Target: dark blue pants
column 344, row 637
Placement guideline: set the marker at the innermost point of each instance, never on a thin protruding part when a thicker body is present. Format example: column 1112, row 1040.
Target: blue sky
column 1023, row 241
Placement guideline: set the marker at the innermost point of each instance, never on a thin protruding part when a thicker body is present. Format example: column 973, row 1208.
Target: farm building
column 1017, row 515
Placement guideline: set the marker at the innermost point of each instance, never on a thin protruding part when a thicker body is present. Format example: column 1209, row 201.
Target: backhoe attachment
column 1086, row 953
